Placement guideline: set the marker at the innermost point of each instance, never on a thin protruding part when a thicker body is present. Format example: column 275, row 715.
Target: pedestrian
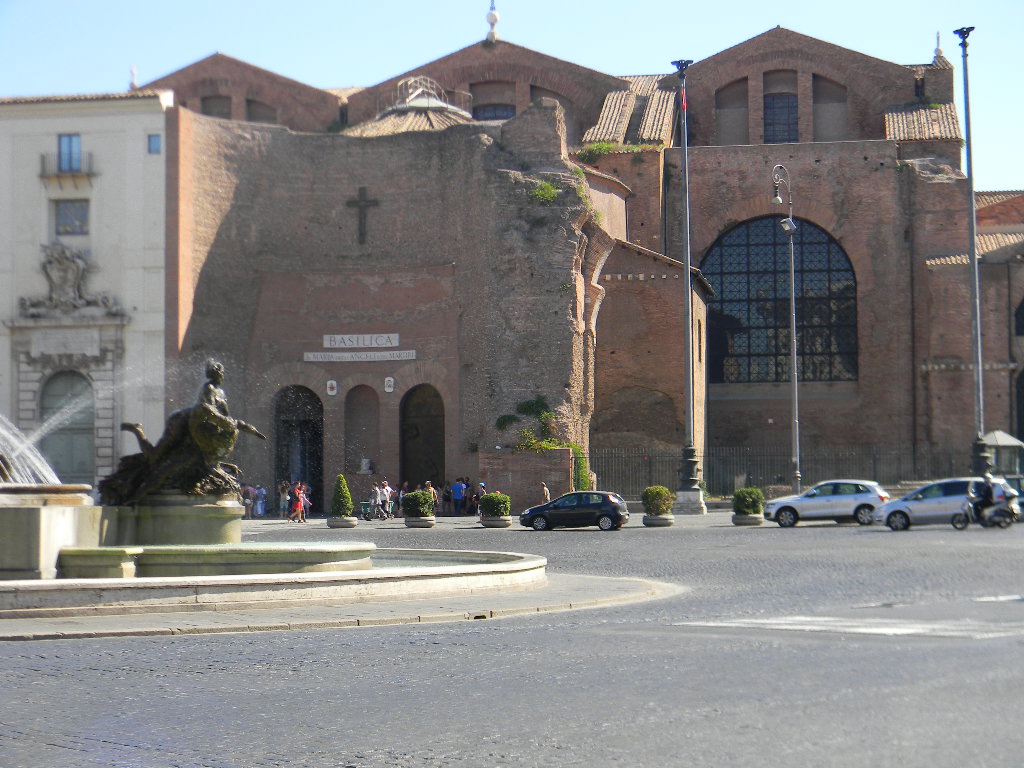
column 307, row 501
column 545, row 494
column 296, row 509
column 387, row 494
column 429, row 488
column 459, row 496
column 248, row 496
column 282, row 499
column 260, row 507
column 446, row 498
column 402, row 493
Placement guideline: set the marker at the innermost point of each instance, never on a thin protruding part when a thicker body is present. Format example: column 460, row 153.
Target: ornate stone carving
column 65, row 269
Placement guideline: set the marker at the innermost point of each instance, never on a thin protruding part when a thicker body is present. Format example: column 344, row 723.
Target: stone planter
column 659, row 521
column 420, row 522
column 343, row 522
column 496, row 521
column 747, row 519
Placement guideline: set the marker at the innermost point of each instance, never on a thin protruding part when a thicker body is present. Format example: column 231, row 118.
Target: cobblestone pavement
column 819, row 645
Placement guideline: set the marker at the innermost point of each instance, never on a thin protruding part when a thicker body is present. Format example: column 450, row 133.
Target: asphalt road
column 822, row 645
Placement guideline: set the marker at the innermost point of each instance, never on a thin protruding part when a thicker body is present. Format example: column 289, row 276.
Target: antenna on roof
column 135, row 79
column 492, row 19
column 938, row 48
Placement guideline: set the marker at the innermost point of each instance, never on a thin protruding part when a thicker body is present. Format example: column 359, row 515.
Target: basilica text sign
column 358, row 340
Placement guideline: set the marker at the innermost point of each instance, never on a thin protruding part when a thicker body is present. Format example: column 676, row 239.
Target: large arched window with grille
column 748, row 318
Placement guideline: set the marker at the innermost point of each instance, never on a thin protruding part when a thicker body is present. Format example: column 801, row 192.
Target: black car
column 577, row 509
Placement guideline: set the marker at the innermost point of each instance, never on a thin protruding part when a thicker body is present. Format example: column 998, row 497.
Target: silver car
column 935, row 502
column 839, row 500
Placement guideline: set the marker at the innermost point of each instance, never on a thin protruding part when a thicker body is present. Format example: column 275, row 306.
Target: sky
column 70, row 46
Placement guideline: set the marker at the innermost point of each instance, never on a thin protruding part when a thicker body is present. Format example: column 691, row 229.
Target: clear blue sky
column 89, row 46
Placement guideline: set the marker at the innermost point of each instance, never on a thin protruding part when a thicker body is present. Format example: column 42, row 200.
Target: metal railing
column 629, row 471
column 54, row 164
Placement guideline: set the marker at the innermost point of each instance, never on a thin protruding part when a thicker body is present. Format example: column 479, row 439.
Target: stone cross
column 362, row 203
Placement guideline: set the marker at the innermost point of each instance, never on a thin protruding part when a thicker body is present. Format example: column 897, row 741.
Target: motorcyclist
column 984, row 499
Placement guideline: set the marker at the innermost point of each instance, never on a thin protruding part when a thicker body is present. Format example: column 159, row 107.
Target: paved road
column 820, row 645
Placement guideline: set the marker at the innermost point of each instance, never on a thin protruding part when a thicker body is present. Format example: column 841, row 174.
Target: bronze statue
column 189, row 457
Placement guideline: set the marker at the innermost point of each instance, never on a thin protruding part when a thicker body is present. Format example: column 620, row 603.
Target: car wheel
column 540, row 523
column 959, row 521
column 863, row 514
column 898, row 521
column 786, row 517
column 1003, row 521
column 605, row 523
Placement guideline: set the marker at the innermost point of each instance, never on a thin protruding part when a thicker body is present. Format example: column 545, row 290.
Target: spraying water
column 26, row 464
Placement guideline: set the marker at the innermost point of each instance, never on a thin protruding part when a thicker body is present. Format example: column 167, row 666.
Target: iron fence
column 628, row 471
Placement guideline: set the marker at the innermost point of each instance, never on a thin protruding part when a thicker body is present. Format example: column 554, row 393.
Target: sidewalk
column 562, row 593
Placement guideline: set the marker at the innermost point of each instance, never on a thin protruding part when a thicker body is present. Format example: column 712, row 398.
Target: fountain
column 168, row 536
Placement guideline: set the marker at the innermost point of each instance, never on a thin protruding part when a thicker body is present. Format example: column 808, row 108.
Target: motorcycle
column 999, row 515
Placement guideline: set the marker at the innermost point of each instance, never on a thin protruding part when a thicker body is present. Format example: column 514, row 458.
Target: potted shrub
column 418, row 510
column 658, row 501
column 341, row 506
column 495, row 510
column 748, row 507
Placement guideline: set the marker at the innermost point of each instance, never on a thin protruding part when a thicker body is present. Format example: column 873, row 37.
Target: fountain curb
column 564, row 593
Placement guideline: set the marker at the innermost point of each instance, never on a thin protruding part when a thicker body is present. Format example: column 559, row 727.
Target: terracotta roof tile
column 409, row 120
column 921, row 122
column 993, row 241
column 983, row 199
column 947, row 261
column 656, row 126
column 643, row 85
column 614, row 120
column 65, row 99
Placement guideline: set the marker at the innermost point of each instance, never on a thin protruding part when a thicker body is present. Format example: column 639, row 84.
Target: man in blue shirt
column 459, row 495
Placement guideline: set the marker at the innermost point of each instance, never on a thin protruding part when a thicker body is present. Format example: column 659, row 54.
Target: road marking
column 964, row 628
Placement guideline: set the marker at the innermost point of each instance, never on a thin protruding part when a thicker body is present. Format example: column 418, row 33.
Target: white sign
column 389, row 384
column 66, row 341
column 357, row 340
column 332, row 387
column 358, row 357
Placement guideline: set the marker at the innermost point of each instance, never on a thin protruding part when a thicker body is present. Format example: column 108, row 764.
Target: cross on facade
column 362, row 203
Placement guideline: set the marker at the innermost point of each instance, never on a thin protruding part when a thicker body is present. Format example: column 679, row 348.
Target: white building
column 82, row 232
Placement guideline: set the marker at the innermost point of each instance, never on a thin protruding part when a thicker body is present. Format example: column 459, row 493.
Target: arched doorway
column 422, row 430
column 68, row 417
column 299, row 441
column 362, row 427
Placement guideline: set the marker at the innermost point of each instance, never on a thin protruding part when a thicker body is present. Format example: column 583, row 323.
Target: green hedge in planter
column 495, row 505
column 341, row 501
column 418, row 504
column 657, row 500
column 748, row 501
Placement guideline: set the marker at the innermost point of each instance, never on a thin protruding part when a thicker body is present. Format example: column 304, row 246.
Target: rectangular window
column 780, row 118
column 72, row 217
column 69, row 153
column 153, row 143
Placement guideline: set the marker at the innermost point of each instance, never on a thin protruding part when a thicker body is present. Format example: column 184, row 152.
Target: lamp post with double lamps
column 780, row 178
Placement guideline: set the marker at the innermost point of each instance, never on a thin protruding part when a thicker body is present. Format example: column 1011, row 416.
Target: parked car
column 839, row 500
column 608, row 511
column 935, row 502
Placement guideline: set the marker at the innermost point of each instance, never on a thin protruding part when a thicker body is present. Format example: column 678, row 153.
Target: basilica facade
column 401, row 278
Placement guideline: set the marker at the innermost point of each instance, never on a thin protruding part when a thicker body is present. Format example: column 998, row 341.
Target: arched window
column 67, row 413
column 749, row 316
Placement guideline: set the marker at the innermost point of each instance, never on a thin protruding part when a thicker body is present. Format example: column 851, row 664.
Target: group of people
column 254, row 499
column 293, row 500
column 382, row 500
column 458, row 498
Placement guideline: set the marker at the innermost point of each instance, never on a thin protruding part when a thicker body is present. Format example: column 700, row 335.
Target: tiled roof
column 988, row 242
column 343, row 93
column 409, row 120
column 66, row 99
column 939, row 62
column 643, row 85
column 614, row 120
column 921, row 122
column 983, row 199
column 993, row 241
column 657, row 122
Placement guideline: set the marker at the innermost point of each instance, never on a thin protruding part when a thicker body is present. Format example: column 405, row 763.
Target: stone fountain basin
column 392, row 574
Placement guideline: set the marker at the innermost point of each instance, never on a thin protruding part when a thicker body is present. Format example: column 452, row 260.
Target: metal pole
column 688, row 470
column 780, row 176
column 980, row 459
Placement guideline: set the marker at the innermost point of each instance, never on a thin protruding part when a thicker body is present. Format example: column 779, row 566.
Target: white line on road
column 964, row 628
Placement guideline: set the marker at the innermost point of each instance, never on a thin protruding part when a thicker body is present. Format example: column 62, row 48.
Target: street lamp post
column 780, row 178
column 981, row 460
column 689, row 497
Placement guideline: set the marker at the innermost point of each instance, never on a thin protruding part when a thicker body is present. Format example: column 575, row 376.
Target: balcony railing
column 54, row 165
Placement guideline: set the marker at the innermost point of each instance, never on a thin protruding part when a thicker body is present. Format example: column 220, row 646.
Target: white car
column 839, row 500
column 936, row 502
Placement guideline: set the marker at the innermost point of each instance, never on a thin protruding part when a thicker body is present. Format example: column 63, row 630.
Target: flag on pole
column 682, row 98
